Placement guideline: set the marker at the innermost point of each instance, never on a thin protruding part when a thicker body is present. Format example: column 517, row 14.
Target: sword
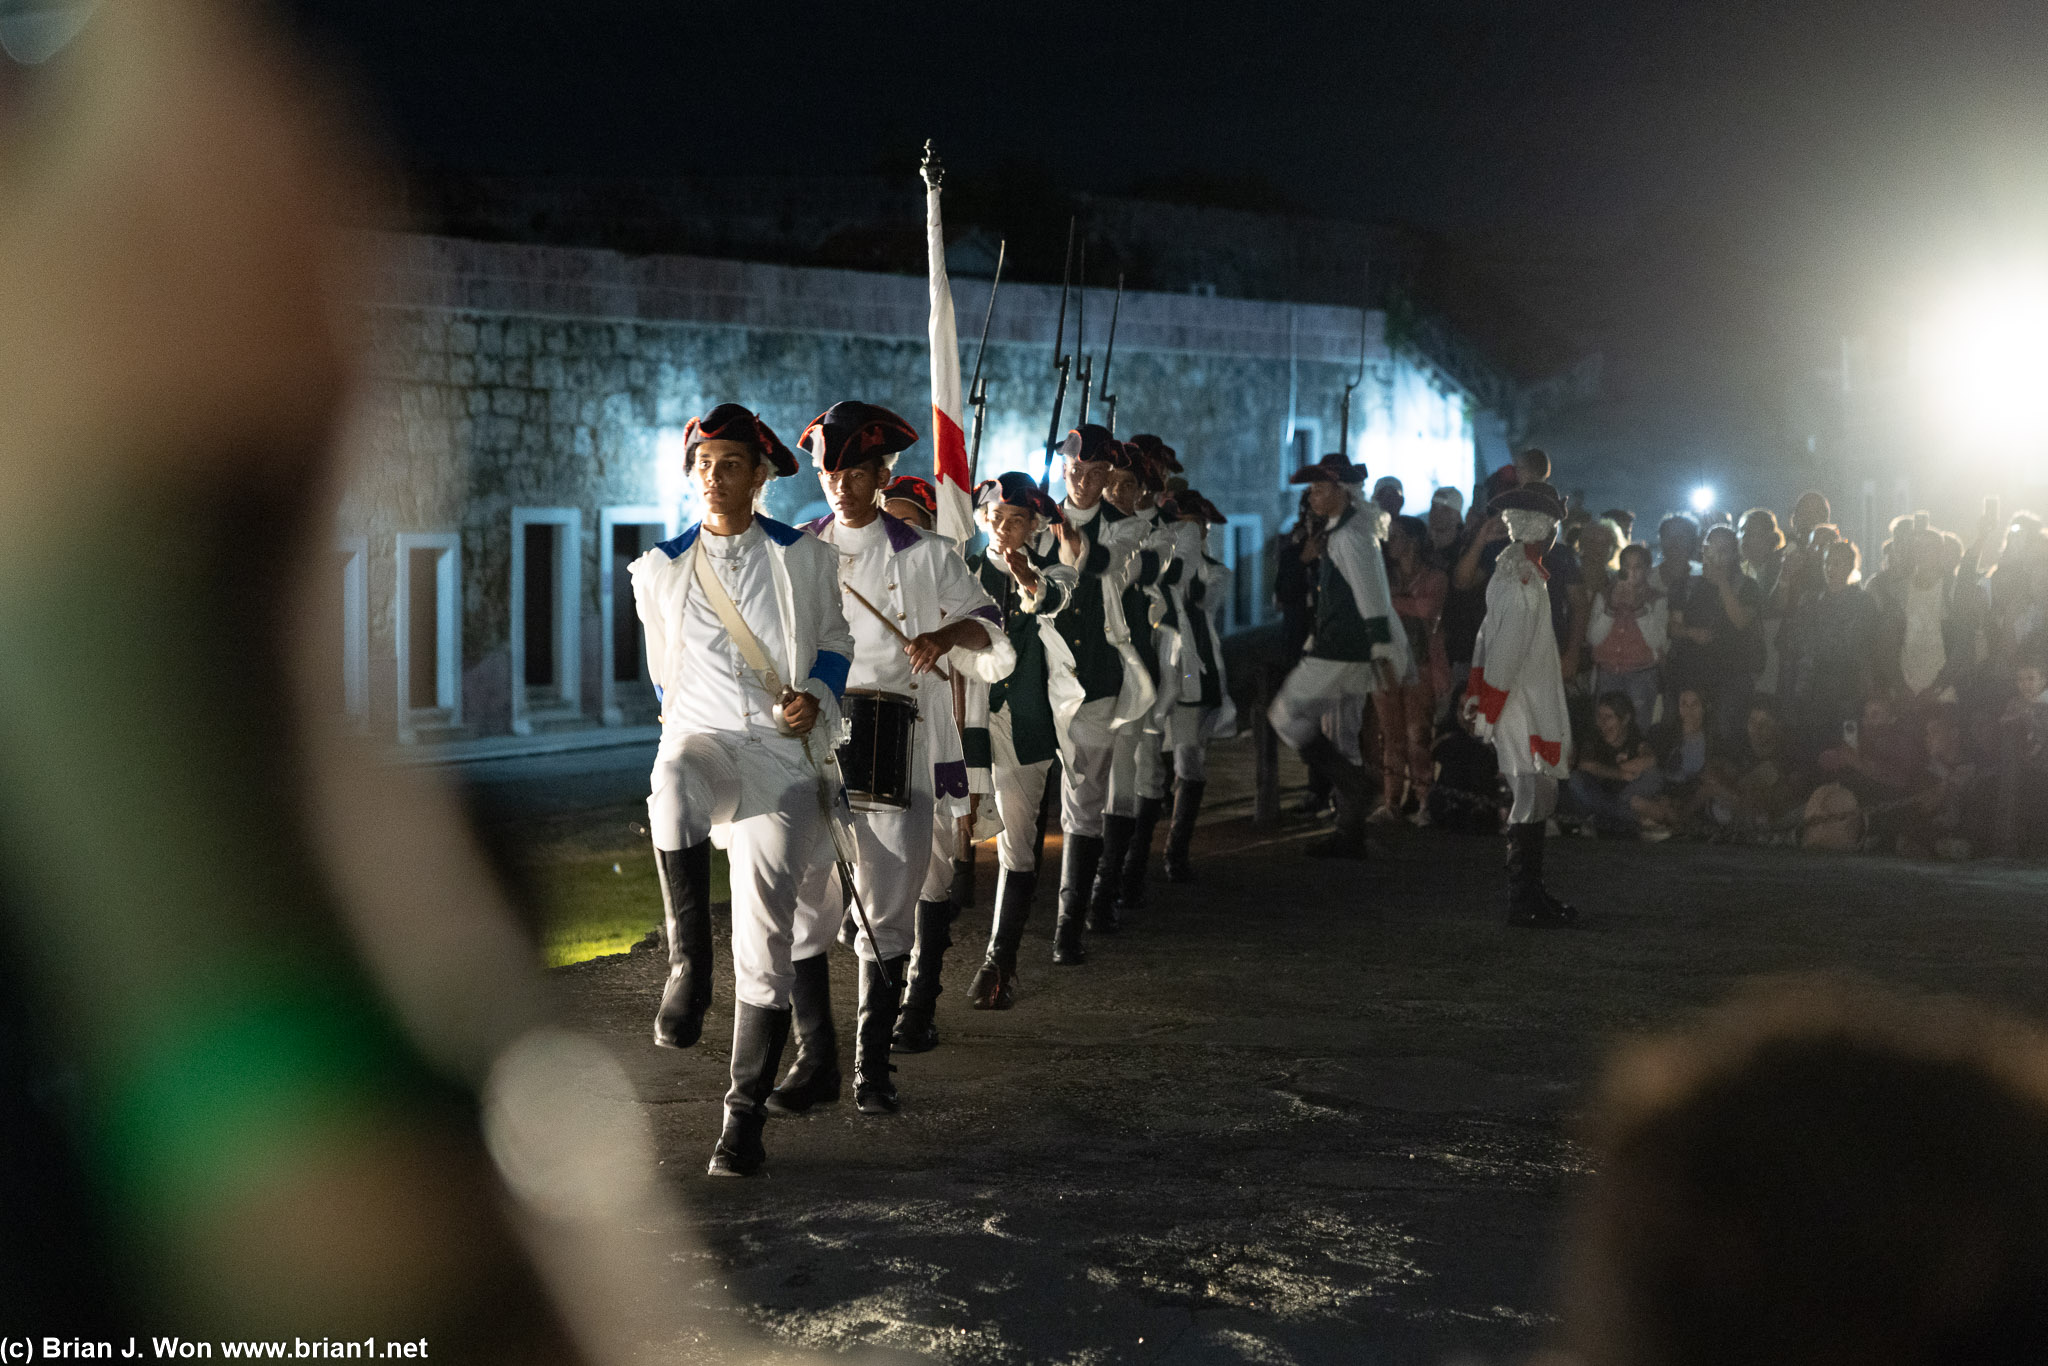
column 845, row 853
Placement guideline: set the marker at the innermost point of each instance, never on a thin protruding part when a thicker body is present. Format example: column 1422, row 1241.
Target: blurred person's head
column 1839, row 563
column 1328, row 499
column 1762, row 730
column 1407, row 538
column 1634, row 564
column 1761, row 537
column 1615, row 716
column 1600, row 545
column 1389, row 494
column 1624, row 519
column 1692, row 711
column 1534, row 465
column 1809, row 512
column 1721, row 550
column 1443, row 525
column 1878, row 712
column 2030, row 679
column 1949, row 553
column 1678, row 538
column 1818, row 1175
column 1824, row 535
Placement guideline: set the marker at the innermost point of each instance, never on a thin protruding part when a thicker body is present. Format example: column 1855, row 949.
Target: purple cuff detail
column 991, row 615
column 950, row 778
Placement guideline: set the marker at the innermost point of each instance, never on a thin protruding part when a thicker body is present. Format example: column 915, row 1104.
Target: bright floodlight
column 1702, row 500
column 1981, row 360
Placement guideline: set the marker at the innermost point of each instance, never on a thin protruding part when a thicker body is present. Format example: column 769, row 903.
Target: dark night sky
column 1708, row 193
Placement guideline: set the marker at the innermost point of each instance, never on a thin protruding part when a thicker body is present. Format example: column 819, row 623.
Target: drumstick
column 894, row 629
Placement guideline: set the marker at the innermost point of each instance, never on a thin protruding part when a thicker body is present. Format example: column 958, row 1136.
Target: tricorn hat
column 1528, row 498
column 1331, row 469
column 1159, row 453
column 913, row 489
column 1089, row 442
column 1189, row 503
column 730, row 422
column 848, row 433
column 1017, row 490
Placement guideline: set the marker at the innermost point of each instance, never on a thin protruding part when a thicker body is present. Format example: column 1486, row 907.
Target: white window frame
column 355, row 630
column 1314, row 427
column 446, row 707
column 1257, row 523
column 607, row 609
column 568, row 641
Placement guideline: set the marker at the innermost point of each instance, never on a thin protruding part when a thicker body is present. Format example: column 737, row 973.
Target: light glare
column 1702, row 500
column 1981, row 360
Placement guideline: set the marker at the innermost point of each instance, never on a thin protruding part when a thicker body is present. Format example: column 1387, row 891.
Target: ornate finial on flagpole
column 934, row 173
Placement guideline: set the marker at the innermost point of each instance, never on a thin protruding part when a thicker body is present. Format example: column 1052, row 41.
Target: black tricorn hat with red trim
column 848, row 433
column 912, row 488
column 1331, row 469
column 1089, row 442
column 730, row 422
column 1159, row 453
column 1528, row 498
column 1018, row 490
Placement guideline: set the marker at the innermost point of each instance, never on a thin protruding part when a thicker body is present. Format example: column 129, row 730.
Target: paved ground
column 1300, row 1113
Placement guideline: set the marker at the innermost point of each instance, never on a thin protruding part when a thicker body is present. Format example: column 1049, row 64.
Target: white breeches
column 1020, row 789
column 1535, row 797
column 895, row 849
column 1137, row 769
column 1191, row 760
column 1323, row 696
column 695, row 785
column 938, row 878
column 1084, row 786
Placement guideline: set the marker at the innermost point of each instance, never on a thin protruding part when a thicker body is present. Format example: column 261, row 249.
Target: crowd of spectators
column 1751, row 678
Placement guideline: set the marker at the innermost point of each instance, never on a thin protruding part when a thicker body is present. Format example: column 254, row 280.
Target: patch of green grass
column 599, row 904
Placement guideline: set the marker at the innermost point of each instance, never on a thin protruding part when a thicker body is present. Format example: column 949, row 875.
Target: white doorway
column 1242, row 551
column 429, row 633
column 353, row 553
column 623, row 535
column 547, row 616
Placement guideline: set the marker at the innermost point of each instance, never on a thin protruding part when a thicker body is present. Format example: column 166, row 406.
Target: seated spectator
column 1627, row 632
column 1879, row 759
column 1614, row 766
column 1755, row 790
column 1954, row 800
column 1466, row 797
column 1816, row 1176
column 1683, row 751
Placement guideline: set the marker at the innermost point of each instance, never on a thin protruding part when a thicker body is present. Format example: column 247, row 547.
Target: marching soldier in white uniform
column 913, row 608
column 1030, row 586
column 1099, row 683
column 749, row 654
column 1201, row 708
column 1357, row 646
column 1516, row 696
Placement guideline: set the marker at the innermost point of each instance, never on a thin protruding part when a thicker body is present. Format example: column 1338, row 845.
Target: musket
column 1344, row 420
column 1062, row 362
column 977, row 388
column 1109, row 354
column 1081, row 330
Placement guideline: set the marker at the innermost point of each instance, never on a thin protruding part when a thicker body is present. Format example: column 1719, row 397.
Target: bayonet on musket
column 977, row 388
column 1062, row 363
column 1081, row 329
column 1344, row 420
column 1109, row 355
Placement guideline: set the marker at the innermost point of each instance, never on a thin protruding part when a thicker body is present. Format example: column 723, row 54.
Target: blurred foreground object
column 249, row 984
column 1820, row 1173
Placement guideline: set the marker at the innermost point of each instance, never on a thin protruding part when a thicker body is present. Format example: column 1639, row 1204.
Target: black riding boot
column 1138, row 863
column 1354, row 798
column 916, row 1031
column 1187, row 807
column 881, row 996
column 1530, row 905
column 1080, row 857
column 814, row 1077
column 758, row 1035
column 1117, row 834
column 995, row 986
column 686, row 920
